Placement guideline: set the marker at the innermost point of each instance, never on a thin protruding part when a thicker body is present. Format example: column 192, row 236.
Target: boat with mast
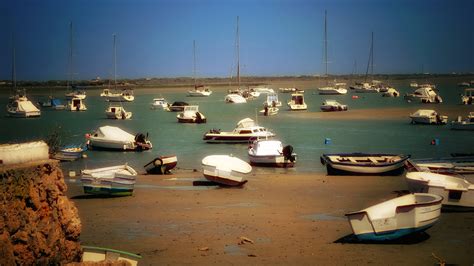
column 366, row 87
column 74, row 93
column 236, row 96
column 199, row 90
column 338, row 88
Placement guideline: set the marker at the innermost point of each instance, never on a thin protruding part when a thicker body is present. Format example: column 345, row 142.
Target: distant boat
column 464, row 84
column 76, row 104
column 191, row 114
column 225, row 170
column 159, row 103
column 332, row 105
column 99, row 255
column 177, row 106
column 269, row 110
column 112, row 181
column 297, row 102
column 235, row 98
column 364, row 163
column 391, row 92
column 431, row 117
column 74, row 91
column 468, row 96
column 199, row 90
column 272, row 100
column 161, row 165
column 457, row 193
column 466, row 124
column 413, row 84
column 395, row 218
column 125, row 96
column 271, row 153
column 114, row 138
column 117, row 112
column 424, row 95
column 245, row 131
column 70, row 153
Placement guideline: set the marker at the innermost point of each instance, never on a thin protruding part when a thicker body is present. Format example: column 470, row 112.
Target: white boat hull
column 271, row 160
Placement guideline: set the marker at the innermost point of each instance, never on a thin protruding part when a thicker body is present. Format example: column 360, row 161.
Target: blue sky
column 277, row 37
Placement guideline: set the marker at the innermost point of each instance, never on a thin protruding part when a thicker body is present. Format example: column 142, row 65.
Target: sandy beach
column 291, row 219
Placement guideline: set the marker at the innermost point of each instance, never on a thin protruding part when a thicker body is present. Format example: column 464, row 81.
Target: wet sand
column 291, row 219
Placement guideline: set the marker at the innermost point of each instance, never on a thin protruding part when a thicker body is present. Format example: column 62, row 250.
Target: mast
column 13, row 64
column 69, row 82
column 370, row 63
column 238, row 54
column 194, row 62
column 115, row 65
column 326, row 43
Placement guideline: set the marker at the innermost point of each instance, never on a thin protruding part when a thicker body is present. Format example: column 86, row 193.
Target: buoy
column 355, row 97
column 72, row 173
column 435, row 142
column 327, row 141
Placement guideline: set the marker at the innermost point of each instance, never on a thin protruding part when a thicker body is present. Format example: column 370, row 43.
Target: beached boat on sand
column 462, row 165
column 161, row 165
column 456, row 192
column 99, row 255
column 225, row 170
column 245, row 130
column 114, row 180
column 364, row 164
column 114, row 138
column 271, row 153
column 395, row 218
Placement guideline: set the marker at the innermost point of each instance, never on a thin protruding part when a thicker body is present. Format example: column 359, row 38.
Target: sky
column 277, row 37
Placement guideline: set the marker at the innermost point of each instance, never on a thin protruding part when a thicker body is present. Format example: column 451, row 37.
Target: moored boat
column 297, row 102
column 431, row 117
column 245, row 130
column 332, row 105
column 22, row 107
column 199, row 91
column 468, row 96
column 395, row 218
column 107, row 255
column 70, row 153
column 177, row 106
column 263, row 152
column 424, row 95
column 466, row 124
column 235, row 98
column 161, row 165
column 114, row 138
column 269, row 110
column 117, row 112
column 391, row 92
column 460, row 165
column 111, row 181
column 76, row 104
column 159, row 103
column 364, row 163
column 225, row 170
column 457, row 193
column 191, row 114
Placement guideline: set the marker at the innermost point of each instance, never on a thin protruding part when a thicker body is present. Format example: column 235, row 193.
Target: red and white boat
column 225, row 170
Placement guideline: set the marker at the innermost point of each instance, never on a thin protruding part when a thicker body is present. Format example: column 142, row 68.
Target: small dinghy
column 462, row 165
column 225, row 170
column 456, row 192
column 161, row 165
column 109, row 181
column 364, row 164
column 70, row 153
column 102, row 256
column 396, row 218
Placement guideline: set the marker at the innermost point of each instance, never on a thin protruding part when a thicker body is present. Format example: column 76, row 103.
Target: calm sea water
column 305, row 135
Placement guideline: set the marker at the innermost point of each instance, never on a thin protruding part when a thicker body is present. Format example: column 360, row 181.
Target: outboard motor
column 198, row 118
column 140, row 138
column 288, row 153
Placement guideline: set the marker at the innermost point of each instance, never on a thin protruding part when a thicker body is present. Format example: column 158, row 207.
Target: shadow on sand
column 95, row 196
column 414, row 238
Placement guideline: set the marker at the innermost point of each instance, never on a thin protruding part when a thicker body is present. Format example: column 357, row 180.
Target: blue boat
column 70, row 153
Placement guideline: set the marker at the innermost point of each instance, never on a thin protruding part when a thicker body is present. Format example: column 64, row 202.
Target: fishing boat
column 159, row 103
column 272, row 100
column 245, row 130
column 269, row 110
column 466, row 124
column 332, row 105
column 111, row 181
column 459, row 165
column 395, row 218
column 22, row 108
column 431, row 117
column 191, row 114
column 70, row 153
column 177, row 106
column 225, row 170
column 468, row 96
column 424, row 95
column 264, row 152
column 112, row 256
column 161, row 165
column 297, row 102
column 234, row 98
column 117, row 112
column 391, row 92
column 76, row 104
column 456, row 192
column 364, row 163
column 114, row 138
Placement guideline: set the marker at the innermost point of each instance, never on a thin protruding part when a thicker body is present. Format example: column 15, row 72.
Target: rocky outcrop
column 38, row 223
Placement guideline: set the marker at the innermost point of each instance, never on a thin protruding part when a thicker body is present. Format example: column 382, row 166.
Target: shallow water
column 305, row 135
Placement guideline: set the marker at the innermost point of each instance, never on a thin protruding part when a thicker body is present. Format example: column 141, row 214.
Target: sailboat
column 199, row 90
column 366, row 86
column 19, row 105
column 126, row 95
column 338, row 88
column 75, row 92
column 235, row 96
